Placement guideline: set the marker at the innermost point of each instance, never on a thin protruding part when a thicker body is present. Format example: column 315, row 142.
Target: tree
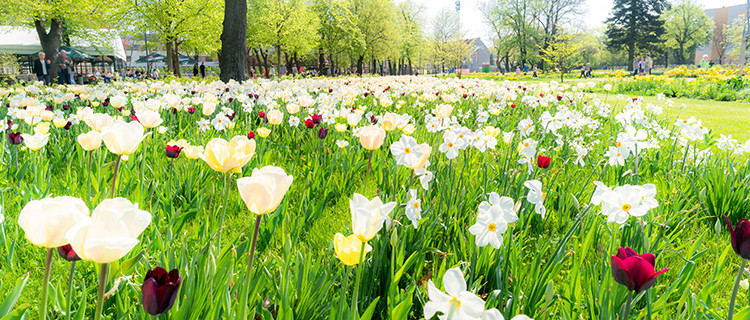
column 515, row 24
column 686, row 27
column 719, row 42
column 560, row 52
column 411, row 35
column 734, row 34
column 554, row 13
column 51, row 18
column 233, row 55
column 445, row 30
column 338, row 32
column 375, row 21
column 188, row 24
column 635, row 26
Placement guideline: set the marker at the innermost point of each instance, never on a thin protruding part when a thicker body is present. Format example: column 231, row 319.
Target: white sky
column 473, row 23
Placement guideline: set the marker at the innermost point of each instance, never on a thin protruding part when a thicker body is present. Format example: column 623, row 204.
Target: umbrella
column 154, row 57
column 76, row 54
column 186, row 60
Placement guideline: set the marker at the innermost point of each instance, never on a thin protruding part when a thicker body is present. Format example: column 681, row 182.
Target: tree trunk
column 411, row 70
column 682, row 53
column 321, row 59
column 50, row 43
column 176, row 59
column 631, row 56
column 233, row 41
column 278, row 60
column 360, row 64
column 170, row 57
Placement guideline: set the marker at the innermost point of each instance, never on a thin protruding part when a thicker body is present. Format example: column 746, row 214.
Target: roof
column 21, row 40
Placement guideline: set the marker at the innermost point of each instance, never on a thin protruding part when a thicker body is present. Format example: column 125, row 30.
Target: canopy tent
column 187, row 60
column 73, row 53
column 25, row 41
column 151, row 58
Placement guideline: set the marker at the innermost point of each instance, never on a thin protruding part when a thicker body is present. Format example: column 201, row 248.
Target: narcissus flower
column 456, row 302
column 348, row 249
column 406, row 151
column 159, row 290
column 493, row 218
column 634, row 271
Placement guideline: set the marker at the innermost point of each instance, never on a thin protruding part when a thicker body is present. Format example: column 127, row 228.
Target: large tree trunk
column 631, row 56
column 321, row 59
column 233, row 41
column 170, row 57
column 50, row 43
column 176, row 59
column 360, row 64
column 278, row 60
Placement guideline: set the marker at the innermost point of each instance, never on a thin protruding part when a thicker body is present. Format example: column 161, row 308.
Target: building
column 480, row 55
column 721, row 17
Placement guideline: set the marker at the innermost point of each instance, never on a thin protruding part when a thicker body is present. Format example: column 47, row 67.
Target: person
column 583, row 72
column 642, row 66
column 525, row 69
column 155, row 74
column 107, row 76
column 203, row 70
column 272, row 72
column 588, row 70
column 416, row 71
column 535, row 71
column 518, row 71
column 41, row 68
column 282, row 70
column 649, row 64
column 635, row 66
column 64, row 63
column 704, row 63
column 195, row 70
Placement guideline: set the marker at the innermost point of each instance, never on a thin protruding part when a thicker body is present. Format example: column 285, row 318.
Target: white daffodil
column 413, row 208
column 492, row 220
column 456, row 302
column 536, row 196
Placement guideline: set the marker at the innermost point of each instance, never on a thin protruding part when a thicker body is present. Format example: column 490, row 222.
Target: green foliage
column 686, row 27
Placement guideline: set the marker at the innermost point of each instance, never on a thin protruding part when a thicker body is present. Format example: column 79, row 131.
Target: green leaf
column 12, row 298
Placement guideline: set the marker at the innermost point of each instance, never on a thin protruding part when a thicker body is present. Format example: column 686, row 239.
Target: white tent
column 26, row 41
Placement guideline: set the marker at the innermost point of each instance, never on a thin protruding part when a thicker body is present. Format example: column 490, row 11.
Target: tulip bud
column 66, row 252
column 159, row 290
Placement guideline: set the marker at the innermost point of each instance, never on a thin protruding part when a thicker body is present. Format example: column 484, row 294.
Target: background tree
column 375, row 21
column 560, row 52
column 719, row 42
column 555, row 13
column 635, row 26
column 233, row 55
column 445, row 30
column 411, row 40
column 192, row 25
column 734, row 32
column 340, row 38
column 687, row 27
column 50, row 17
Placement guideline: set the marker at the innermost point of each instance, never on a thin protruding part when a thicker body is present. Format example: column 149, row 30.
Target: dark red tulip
column 513, row 105
column 191, row 110
column 174, row 110
column 159, row 290
column 543, row 162
column 15, row 138
column 9, row 125
column 740, row 237
column 66, row 252
column 322, row 133
column 134, row 118
column 50, row 108
column 231, row 99
column 251, row 135
column 316, row 118
column 634, row 271
column 66, row 107
column 373, row 120
column 309, row 123
column 68, row 125
column 173, row 151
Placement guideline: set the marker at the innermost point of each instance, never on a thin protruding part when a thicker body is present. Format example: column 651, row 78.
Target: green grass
column 728, row 118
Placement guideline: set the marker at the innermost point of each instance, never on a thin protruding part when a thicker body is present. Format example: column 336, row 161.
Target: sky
column 474, row 26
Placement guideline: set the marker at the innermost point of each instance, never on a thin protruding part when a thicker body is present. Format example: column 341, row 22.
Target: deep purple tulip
column 66, row 252
column 740, row 237
column 15, row 138
column 634, row 271
column 159, row 290
column 322, row 133
column 173, row 151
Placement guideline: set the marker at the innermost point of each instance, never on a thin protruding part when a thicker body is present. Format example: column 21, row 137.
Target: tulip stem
column 114, row 175
column 355, row 294
column 367, row 177
column 248, row 276
column 70, row 288
column 627, row 305
column 88, row 195
column 730, row 314
column 226, row 203
column 100, row 295
column 45, row 283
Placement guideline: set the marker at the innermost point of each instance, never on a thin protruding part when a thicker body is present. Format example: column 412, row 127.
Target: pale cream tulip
column 97, row 121
column 274, row 117
column 123, row 138
column 423, row 160
column 45, row 222
column 368, row 216
column 148, row 118
column 263, row 191
column 224, row 156
column 91, row 140
column 193, row 152
column 35, row 142
column 371, row 137
column 111, row 231
column 389, row 121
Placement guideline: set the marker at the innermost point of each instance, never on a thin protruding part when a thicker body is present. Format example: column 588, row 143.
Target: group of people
column 197, row 69
column 140, row 73
column 585, row 71
column 42, row 68
column 643, row 65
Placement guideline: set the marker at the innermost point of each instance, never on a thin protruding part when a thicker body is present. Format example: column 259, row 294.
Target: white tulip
column 46, row 221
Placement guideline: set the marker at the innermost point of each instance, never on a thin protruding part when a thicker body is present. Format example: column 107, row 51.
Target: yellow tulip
column 224, row 156
column 348, row 249
column 389, row 121
column 340, row 127
column 264, row 132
